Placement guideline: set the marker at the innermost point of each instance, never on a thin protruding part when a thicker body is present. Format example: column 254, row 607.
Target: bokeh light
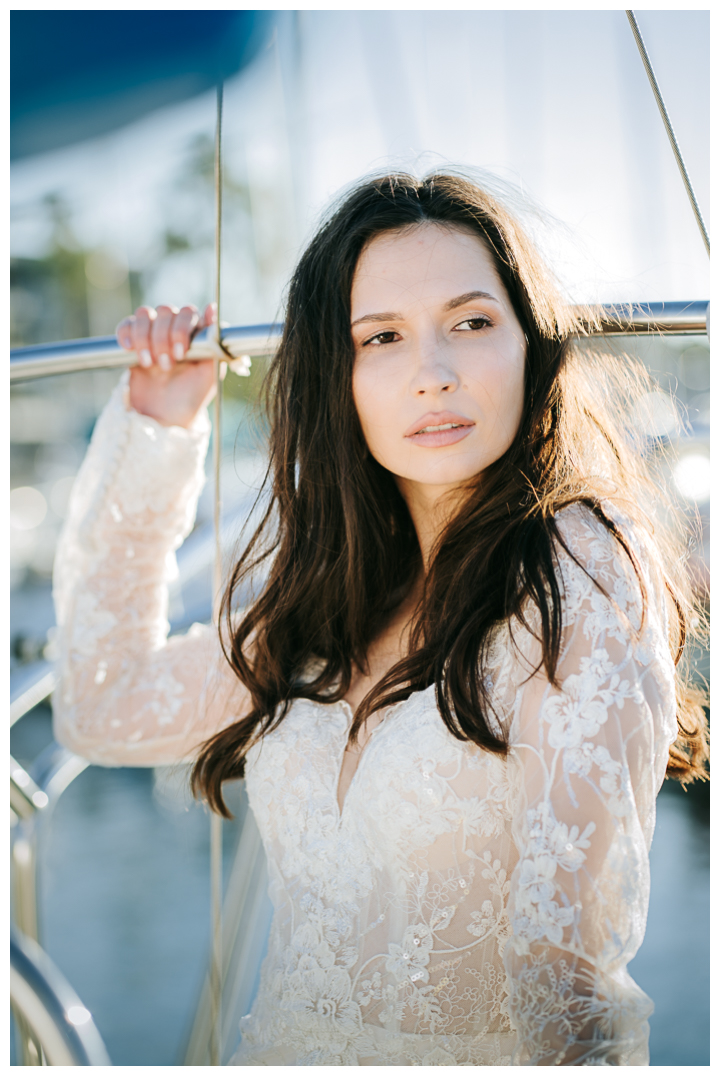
column 28, row 508
column 692, row 476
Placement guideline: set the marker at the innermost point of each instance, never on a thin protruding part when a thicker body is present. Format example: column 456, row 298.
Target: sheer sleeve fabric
column 126, row 695
column 587, row 760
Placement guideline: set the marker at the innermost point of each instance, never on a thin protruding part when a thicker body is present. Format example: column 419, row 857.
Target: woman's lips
column 441, row 429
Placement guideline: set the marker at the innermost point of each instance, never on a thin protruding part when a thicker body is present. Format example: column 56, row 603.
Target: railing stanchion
column 216, row 959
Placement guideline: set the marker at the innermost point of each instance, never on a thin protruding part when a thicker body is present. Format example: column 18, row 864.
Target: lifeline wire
column 215, row 819
column 668, row 127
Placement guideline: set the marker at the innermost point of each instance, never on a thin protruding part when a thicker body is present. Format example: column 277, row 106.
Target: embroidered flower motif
column 370, row 989
column 484, row 817
column 409, row 960
column 324, row 992
column 482, row 921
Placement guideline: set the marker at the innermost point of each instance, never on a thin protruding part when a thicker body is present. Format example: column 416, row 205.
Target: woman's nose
column 434, row 372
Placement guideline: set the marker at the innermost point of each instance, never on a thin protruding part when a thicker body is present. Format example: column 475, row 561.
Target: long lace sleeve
column 588, row 757
column 127, row 695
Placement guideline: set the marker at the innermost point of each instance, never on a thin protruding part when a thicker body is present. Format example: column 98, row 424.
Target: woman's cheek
column 371, row 393
column 365, row 392
column 378, row 432
column 502, row 391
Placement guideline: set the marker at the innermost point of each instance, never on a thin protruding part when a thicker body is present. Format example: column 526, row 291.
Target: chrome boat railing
column 32, row 799
column 53, row 1025
column 37, row 361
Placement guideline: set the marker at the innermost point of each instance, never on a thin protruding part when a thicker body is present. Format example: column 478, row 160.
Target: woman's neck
column 431, row 508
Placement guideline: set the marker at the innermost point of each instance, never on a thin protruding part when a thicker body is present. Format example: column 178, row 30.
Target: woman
column 455, row 697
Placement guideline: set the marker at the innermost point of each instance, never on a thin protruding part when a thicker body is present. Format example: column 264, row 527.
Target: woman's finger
column 141, row 330
column 184, row 325
column 124, row 333
column 160, row 336
column 209, row 314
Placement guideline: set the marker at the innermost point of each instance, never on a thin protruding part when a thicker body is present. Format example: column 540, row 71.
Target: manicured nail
column 178, row 351
column 164, row 361
column 145, row 358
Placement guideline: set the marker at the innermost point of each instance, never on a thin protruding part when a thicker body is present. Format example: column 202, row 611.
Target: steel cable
column 216, row 973
column 668, row 127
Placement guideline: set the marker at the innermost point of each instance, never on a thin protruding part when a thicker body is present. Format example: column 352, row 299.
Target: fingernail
column 145, row 358
column 164, row 361
column 178, row 351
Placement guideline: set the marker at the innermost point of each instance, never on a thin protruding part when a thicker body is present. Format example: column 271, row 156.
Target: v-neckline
column 345, row 708
column 350, row 715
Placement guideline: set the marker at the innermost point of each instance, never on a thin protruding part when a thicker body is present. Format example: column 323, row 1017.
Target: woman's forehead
column 428, row 257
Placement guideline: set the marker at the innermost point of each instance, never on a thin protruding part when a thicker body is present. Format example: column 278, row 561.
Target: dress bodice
column 464, row 908
column 390, row 916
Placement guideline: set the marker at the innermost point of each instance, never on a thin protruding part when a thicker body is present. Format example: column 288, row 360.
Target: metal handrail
column 26, row 797
column 49, row 1010
column 32, row 695
column 37, row 361
column 57, row 358
column 660, row 317
column 33, row 797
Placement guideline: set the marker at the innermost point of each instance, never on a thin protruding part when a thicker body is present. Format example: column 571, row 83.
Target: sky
column 553, row 108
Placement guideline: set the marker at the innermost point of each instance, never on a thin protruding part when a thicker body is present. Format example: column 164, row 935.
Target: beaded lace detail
column 462, row 910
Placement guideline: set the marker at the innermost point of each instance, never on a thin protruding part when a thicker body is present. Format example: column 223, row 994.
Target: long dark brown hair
column 337, row 542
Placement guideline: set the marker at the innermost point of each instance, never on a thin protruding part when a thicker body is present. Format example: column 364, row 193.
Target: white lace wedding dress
column 461, row 910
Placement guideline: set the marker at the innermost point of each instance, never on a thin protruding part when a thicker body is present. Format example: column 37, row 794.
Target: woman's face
column 439, row 357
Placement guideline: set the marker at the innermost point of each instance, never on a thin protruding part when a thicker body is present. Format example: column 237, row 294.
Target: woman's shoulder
column 605, row 533
column 607, row 551
column 580, row 523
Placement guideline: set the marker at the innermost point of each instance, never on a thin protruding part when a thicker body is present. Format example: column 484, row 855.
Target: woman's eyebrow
column 381, row 316
column 476, row 294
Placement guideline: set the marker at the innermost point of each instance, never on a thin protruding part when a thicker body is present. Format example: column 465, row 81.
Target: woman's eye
column 476, row 322
column 383, row 338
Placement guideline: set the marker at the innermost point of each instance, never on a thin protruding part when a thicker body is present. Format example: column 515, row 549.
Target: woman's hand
column 172, row 393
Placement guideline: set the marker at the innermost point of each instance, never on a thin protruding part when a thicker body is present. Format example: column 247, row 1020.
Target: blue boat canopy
column 78, row 74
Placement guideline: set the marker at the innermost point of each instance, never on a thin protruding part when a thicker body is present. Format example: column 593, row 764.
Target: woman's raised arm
column 127, row 695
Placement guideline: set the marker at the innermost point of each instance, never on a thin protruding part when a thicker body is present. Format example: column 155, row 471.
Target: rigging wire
column 215, row 819
column 668, row 127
